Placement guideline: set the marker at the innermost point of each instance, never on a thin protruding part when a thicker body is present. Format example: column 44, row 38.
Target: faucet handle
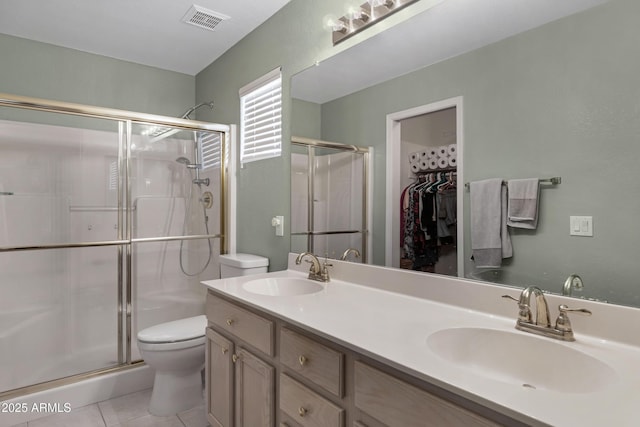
column 511, row 298
column 562, row 322
column 525, row 311
column 563, row 308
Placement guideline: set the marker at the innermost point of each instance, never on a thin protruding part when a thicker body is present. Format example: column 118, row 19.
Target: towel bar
column 553, row 181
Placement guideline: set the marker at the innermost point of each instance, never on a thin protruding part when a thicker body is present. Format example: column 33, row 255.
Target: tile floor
column 130, row 410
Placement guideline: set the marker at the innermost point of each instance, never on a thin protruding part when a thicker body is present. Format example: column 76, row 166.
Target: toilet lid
column 177, row 330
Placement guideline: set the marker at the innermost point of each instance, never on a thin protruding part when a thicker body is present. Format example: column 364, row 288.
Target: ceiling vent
column 203, row 18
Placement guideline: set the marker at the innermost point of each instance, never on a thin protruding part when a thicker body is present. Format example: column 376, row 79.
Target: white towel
column 490, row 241
column 523, row 203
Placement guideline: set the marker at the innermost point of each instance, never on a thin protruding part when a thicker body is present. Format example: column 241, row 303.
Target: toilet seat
column 164, row 346
column 177, row 334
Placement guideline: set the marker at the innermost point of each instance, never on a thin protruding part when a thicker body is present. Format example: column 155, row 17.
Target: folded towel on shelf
column 523, row 203
column 490, row 241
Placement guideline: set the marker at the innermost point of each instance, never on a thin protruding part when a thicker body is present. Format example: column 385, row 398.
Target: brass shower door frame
column 124, row 240
column 311, row 144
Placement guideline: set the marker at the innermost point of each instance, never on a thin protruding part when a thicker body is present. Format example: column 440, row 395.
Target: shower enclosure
column 108, row 221
column 329, row 198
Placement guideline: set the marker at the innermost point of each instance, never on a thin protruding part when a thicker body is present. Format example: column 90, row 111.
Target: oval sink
column 523, row 360
column 282, row 286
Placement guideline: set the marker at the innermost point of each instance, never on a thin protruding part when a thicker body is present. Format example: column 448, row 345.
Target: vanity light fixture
column 335, row 25
column 360, row 17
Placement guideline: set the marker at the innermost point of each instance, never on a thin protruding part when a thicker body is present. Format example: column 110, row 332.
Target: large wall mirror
column 548, row 89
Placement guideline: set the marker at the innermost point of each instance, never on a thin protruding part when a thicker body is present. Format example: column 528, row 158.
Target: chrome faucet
column 316, row 271
column 573, row 282
column 542, row 326
column 542, row 309
column 356, row 253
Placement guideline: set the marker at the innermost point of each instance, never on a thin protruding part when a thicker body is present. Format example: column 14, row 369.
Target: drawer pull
column 229, row 322
column 225, row 350
column 302, row 411
column 303, row 360
column 235, row 358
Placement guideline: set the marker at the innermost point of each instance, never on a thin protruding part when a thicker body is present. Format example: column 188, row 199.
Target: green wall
column 42, row 70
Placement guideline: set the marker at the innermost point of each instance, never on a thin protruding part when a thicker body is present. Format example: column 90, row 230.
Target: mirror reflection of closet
column 329, row 211
column 428, row 225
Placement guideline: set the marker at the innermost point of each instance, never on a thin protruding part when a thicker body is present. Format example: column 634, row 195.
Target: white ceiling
column 149, row 32
column 448, row 29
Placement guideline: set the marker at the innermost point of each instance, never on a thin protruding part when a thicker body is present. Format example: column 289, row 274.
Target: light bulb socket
column 358, row 14
column 339, row 26
column 389, row 4
column 358, row 18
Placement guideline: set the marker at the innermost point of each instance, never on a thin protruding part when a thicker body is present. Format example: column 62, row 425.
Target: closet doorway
column 425, row 189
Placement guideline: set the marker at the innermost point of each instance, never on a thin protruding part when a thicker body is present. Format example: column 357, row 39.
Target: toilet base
column 176, row 391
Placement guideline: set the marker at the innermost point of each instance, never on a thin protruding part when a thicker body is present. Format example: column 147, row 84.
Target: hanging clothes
column 428, row 209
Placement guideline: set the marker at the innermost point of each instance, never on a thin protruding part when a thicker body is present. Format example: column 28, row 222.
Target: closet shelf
column 435, row 171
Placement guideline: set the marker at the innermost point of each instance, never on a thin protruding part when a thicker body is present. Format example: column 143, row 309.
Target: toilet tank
column 233, row 265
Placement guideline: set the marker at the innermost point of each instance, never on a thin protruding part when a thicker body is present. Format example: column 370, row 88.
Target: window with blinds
column 261, row 118
column 210, row 146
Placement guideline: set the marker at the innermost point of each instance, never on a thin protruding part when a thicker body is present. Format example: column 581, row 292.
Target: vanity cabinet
column 240, row 386
column 397, row 403
column 263, row 371
column 308, row 408
column 316, row 362
column 219, row 379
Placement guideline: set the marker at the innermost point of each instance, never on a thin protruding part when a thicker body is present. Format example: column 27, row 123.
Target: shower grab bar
column 95, row 208
column 134, row 206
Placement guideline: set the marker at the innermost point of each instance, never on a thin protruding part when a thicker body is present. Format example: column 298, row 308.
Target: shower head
column 195, row 107
column 183, row 160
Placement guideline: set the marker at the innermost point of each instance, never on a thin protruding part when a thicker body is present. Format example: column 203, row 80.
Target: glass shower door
column 60, row 247
column 328, row 198
column 175, row 184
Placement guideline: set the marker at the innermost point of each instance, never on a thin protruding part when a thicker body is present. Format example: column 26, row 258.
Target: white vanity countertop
column 393, row 327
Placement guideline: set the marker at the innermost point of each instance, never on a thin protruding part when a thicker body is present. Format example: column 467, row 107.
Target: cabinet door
column 255, row 391
column 399, row 404
column 219, row 380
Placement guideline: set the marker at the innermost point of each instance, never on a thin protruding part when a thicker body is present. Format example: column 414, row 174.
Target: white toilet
column 233, row 265
column 175, row 350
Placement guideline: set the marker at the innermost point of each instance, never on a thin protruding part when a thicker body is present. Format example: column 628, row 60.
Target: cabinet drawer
column 397, row 403
column 316, row 362
column 249, row 327
column 309, row 409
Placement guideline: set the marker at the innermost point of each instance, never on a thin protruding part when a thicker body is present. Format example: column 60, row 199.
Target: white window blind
column 210, row 146
column 261, row 118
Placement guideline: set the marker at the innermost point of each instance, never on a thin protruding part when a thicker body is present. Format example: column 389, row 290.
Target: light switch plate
column 581, row 226
column 278, row 223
